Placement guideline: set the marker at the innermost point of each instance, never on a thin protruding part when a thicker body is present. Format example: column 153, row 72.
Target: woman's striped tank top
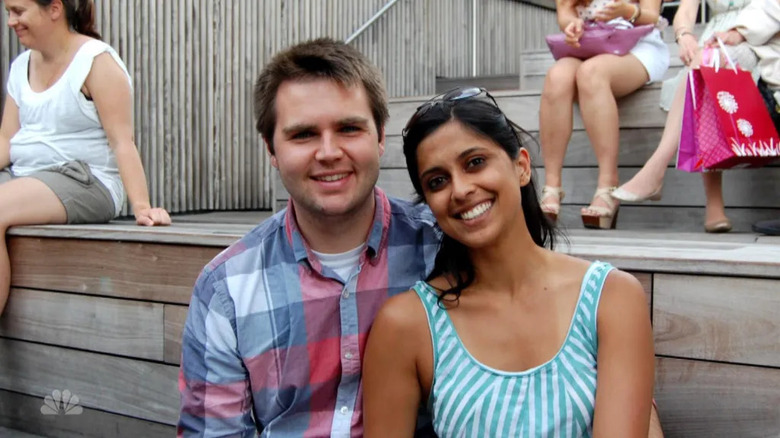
column 555, row 399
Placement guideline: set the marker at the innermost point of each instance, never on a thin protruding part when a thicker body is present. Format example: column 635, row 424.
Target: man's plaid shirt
column 274, row 340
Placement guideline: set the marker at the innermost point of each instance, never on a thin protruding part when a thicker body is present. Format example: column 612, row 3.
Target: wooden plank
column 699, row 399
column 637, row 110
column 492, row 83
column 717, row 318
column 653, row 217
column 127, row 270
column 23, row 412
column 646, row 280
column 677, row 256
column 185, row 233
column 636, row 146
column 174, row 326
column 128, row 328
column 134, row 388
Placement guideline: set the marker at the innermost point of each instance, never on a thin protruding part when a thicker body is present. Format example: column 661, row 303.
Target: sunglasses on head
column 454, row 95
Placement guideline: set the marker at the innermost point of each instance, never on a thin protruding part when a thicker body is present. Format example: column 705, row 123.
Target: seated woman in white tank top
column 67, row 153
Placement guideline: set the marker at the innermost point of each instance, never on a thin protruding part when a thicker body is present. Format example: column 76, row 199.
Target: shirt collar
column 377, row 237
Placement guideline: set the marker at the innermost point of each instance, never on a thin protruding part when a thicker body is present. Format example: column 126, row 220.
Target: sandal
column 552, row 209
column 603, row 218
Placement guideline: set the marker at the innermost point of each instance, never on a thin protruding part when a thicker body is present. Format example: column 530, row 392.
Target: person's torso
column 556, row 398
column 60, row 124
column 301, row 329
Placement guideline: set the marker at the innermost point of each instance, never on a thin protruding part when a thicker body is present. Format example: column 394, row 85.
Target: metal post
column 473, row 37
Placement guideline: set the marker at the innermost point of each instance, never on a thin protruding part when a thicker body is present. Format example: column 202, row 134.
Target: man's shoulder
column 416, row 214
column 269, row 233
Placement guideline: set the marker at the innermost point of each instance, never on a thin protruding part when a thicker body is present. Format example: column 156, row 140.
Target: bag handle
column 715, row 60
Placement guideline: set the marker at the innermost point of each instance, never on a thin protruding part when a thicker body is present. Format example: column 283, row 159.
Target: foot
column 551, row 202
column 602, row 211
column 642, row 187
column 715, row 220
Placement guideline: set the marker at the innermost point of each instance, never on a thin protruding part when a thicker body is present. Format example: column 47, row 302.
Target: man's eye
column 302, row 135
column 350, row 128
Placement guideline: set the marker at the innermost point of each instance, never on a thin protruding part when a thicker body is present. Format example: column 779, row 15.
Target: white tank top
column 60, row 125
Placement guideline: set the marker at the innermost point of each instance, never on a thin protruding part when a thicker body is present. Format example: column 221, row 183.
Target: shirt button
column 344, row 410
column 348, row 355
column 345, row 294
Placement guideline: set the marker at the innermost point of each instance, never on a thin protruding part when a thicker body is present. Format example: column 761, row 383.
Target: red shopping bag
column 725, row 122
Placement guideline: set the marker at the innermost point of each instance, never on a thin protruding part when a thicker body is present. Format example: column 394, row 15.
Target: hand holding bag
column 599, row 38
column 725, row 122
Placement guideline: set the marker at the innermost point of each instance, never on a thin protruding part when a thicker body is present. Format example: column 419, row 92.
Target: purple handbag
column 597, row 38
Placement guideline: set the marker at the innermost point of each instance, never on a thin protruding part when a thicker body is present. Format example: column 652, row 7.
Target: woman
column 66, row 139
column 504, row 337
column 595, row 83
column 647, row 184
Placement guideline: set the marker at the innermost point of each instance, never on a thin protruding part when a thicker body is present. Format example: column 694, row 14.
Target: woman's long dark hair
column 483, row 117
column 80, row 15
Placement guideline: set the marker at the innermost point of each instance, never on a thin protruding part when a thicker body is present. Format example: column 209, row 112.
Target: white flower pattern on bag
column 745, row 127
column 727, row 102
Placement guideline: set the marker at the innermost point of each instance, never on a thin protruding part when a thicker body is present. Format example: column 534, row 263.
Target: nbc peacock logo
column 61, row 403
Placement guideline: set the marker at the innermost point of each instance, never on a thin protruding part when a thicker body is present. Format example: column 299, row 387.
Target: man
column 274, row 337
column 277, row 324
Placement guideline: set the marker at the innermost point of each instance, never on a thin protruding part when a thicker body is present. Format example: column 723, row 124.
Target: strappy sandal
column 603, row 218
column 552, row 209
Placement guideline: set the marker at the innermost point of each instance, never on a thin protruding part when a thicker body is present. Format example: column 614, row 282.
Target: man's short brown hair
column 323, row 58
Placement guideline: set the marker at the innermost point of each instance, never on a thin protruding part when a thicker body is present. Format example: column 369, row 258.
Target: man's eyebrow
column 353, row 121
column 300, row 127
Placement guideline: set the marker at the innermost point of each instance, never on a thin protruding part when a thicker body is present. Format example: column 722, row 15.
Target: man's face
column 326, row 147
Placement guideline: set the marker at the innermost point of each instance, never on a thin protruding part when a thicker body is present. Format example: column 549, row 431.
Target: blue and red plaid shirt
column 274, row 340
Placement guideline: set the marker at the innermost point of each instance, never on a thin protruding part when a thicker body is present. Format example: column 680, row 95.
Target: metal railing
column 371, row 21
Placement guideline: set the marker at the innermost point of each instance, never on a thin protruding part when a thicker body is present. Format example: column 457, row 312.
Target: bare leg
column 655, row 425
column 555, row 116
column 650, row 177
column 600, row 80
column 713, row 190
column 24, row 201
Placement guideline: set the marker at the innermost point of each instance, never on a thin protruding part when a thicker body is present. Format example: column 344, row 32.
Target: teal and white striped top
column 555, row 399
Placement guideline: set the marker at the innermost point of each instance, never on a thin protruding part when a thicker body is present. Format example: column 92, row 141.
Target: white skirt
column 653, row 53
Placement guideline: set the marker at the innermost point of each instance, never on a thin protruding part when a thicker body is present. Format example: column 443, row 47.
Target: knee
column 591, row 78
column 558, row 83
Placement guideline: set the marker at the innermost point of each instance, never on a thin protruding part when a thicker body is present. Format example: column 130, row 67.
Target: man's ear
column 271, row 154
column 382, row 140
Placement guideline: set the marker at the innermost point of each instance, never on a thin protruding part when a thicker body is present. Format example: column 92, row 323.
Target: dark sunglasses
column 454, row 95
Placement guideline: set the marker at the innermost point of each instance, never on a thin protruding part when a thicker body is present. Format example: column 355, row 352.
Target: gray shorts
column 85, row 198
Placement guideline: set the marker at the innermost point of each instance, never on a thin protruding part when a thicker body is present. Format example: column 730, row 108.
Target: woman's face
column 471, row 184
column 27, row 19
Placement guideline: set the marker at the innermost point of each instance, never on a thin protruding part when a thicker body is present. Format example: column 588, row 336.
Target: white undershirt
column 345, row 263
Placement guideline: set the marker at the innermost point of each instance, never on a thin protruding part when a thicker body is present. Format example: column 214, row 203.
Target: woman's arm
column 391, row 389
column 644, row 12
column 109, row 89
column 624, row 386
column 683, row 22
column 8, row 128
column 566, row 12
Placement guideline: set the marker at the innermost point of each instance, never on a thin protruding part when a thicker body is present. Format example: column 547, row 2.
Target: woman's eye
column 476, row 161
column 435, row 183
